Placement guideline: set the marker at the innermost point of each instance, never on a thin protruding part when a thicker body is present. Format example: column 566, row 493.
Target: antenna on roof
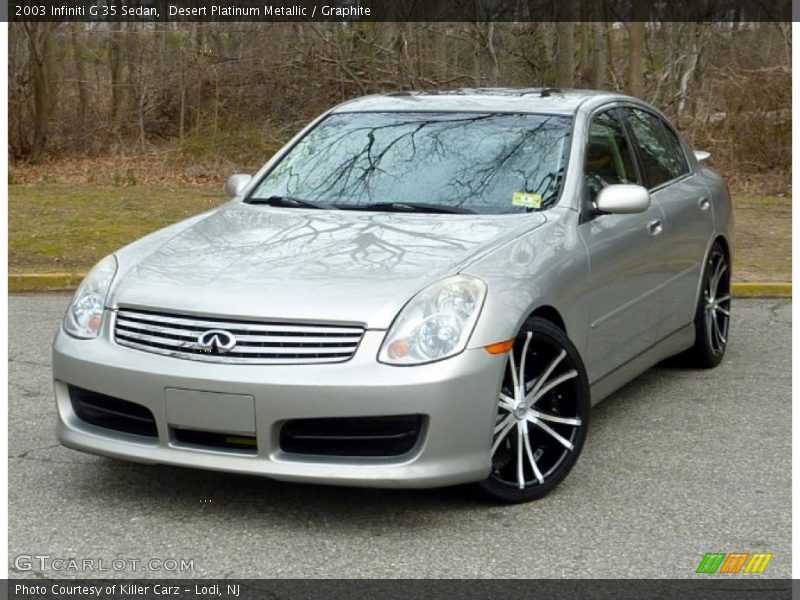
column 546, row 92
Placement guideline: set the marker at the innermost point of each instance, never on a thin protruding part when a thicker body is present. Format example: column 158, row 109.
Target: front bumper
column 457, row 398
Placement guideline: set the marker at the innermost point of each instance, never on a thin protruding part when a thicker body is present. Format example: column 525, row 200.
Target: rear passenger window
column 659, row 148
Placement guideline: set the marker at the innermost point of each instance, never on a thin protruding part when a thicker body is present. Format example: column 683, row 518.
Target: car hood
column 302, row 264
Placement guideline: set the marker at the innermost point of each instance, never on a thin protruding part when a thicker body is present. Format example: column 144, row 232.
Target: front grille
column 356, row 436
column 257, row 342
column 112, row 413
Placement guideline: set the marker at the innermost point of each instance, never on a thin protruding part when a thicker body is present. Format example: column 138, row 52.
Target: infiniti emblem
column 216, row 341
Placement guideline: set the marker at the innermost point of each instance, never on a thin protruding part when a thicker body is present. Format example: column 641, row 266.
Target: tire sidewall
column 505, row 493
column 705, row 355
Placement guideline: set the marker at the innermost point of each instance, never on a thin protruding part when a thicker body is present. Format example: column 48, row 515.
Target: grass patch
column 70, row 226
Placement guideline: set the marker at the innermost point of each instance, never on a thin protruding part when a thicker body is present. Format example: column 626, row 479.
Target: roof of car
column 517, row 100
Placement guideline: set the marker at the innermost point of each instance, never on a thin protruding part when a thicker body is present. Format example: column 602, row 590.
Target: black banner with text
column 705, row 587
column 154, row 11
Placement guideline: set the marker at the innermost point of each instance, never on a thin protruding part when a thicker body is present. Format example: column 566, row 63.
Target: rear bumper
column 456, row 398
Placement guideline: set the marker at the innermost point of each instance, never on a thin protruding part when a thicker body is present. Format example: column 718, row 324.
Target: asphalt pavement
column 677, row 464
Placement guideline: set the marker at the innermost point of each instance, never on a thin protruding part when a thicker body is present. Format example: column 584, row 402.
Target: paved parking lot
column 677, row 464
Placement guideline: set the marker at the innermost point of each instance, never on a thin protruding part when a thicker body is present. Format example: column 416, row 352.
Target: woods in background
column 241, row 89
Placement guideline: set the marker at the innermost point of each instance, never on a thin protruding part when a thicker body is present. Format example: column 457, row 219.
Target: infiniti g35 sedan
column 418, row 290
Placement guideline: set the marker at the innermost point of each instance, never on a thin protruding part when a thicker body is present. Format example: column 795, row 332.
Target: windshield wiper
column 289, row 201
column 425, row 207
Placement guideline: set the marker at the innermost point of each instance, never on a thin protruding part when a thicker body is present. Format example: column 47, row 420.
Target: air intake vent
column 112, row 413
column 217, row 441
column 363, row 436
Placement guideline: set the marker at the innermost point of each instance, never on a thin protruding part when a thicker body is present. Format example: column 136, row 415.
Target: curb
column 60, row 282
column 762, row 290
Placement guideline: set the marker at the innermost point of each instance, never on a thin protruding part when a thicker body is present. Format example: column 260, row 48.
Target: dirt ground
column 763, row 242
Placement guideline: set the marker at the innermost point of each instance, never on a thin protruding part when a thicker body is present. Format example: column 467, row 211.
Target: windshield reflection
column 484, row 163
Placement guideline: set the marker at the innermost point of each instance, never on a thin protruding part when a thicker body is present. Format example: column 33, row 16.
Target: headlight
column 84, row 316
column 436, row 323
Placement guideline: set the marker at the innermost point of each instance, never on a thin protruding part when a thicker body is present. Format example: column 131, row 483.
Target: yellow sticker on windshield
column 527, row 200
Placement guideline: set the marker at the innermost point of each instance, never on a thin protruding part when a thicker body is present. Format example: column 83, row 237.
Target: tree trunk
column 80, row 74
column 584, row 32
column 114, row 69
column 476, row 54
column 44, row 89
column 565, row 61
column 182, row 106
column 440, row 54
column 636, row 51
column 491, row 52
column 685, row 102
column 599, row 50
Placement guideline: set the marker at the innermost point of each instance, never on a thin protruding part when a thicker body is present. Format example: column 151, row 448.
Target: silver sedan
column 419, row 289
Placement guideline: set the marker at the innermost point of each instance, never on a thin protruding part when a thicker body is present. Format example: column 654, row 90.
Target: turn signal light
column 500, row 347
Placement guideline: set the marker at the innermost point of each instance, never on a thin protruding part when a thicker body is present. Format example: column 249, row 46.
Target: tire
column 713, row 313
column 535, row 447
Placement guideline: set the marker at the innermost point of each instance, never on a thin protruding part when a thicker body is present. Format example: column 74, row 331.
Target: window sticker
column 527, row 200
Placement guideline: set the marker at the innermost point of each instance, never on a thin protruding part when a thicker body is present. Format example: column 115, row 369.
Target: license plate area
column 233, row 414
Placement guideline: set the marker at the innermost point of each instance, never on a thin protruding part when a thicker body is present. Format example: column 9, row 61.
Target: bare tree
column 40, row 63
column 565, row 36
column 599, row 48
column 236, row 91
column 636, row 49
column 80, row 74
column 690, row 66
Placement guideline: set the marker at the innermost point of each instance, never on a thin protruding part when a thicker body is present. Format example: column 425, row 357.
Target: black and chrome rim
column 538, row 417
column 717, row 303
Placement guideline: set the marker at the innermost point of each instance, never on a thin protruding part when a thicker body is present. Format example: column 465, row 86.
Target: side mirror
column 236, row 184
column 622, row 199
column 702, row 155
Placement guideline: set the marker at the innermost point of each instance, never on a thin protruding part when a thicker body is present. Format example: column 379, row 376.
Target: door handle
column 655, row 227
column 703, row 203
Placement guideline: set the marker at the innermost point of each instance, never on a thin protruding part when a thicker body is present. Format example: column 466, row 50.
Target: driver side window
column 609, row 159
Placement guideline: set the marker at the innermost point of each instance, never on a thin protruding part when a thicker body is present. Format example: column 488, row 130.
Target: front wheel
column 542, row 415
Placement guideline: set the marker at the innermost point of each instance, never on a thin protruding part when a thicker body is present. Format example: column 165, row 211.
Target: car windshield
column 436, row 162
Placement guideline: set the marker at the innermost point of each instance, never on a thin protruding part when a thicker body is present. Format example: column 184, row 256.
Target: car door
column 625, row 254
column 688, row 219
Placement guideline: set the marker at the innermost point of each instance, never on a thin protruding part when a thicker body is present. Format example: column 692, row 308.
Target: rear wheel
column 713, row 315
column 542, row 415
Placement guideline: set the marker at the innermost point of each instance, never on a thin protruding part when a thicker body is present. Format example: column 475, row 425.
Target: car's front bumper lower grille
column 356, row 436
column 112, row 413
column 256, row 342
column 216, row 440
